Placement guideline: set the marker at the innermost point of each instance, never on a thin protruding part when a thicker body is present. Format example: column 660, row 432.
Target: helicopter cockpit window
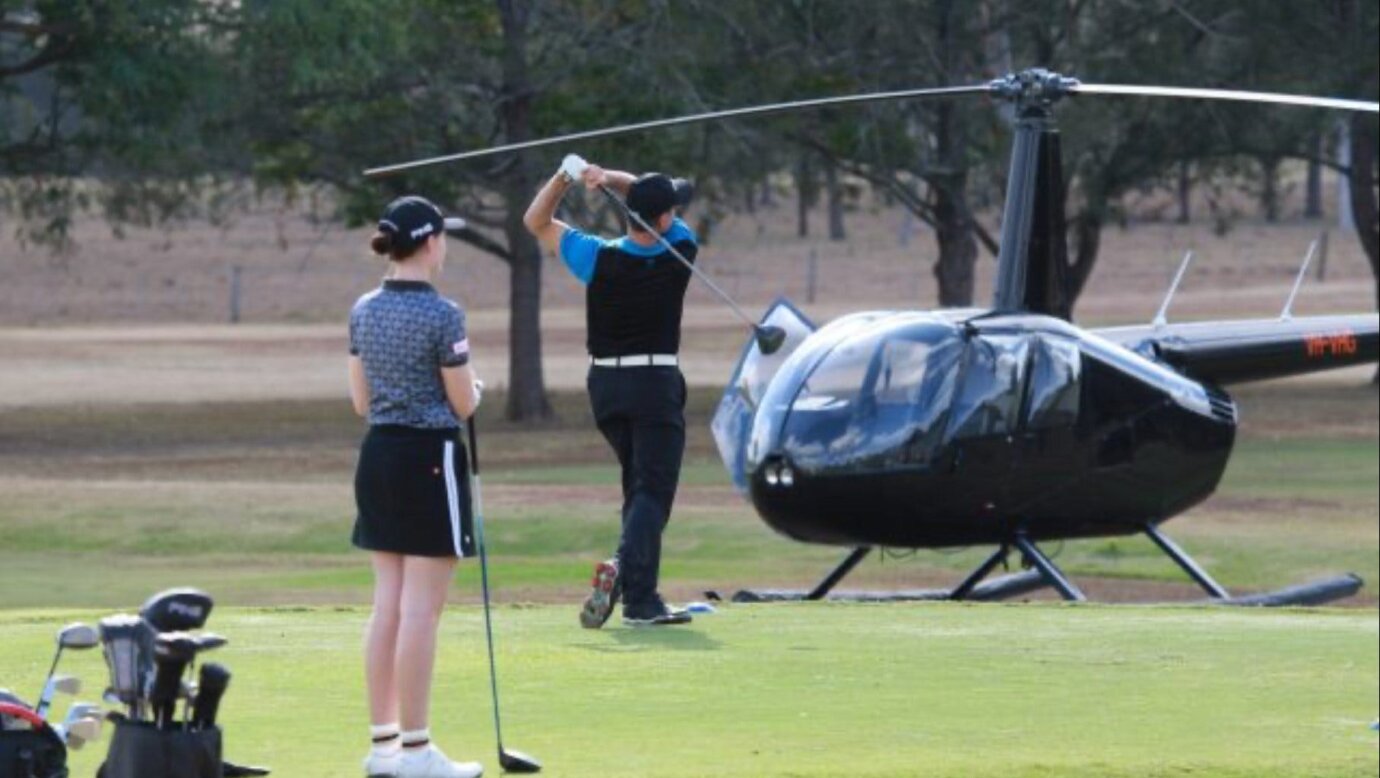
column 989, row 399
column 1055, row 369
column 876, row 400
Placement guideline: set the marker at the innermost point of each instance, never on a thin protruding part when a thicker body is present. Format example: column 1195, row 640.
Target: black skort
column 412, row 491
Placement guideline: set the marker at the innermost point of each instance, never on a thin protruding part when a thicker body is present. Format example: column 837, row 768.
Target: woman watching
column 410, row 376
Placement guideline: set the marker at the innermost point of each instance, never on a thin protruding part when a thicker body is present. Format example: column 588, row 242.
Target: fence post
column 236, row 272
column 813, row 275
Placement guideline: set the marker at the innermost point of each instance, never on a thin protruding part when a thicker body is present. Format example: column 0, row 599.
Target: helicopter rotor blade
column 733, row 113
column 1224, row 94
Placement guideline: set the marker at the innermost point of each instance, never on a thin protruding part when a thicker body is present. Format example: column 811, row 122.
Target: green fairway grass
column 253, row 501
column 815, row 691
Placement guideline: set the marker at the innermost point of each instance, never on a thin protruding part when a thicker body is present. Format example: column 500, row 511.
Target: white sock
column 416, row 741
column 385, row 739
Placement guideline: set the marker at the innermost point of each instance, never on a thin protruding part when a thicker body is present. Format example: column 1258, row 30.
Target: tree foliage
column 136, row 108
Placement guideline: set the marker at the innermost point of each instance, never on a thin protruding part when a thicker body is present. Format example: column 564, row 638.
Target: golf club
column 66, row 684
column 769, row 338
column 173, row 653
column 80, row 732
column 510, row 761
column 76, row 636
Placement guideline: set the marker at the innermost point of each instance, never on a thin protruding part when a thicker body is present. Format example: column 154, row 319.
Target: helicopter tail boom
column 1229, row 352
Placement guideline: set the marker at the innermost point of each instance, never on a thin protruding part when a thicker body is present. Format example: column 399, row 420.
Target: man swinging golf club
column 635, row 293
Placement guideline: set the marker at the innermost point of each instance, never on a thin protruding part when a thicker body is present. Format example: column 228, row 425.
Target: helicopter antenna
column 1288, row 313
column 1160, row 319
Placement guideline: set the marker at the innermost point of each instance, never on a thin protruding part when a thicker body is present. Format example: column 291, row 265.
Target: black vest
column 633, row 304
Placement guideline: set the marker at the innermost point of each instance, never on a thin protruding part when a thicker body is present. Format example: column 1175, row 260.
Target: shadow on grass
column 651, row 638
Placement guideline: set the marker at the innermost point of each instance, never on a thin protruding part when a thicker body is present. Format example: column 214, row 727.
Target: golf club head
column 769, row 338
column 518, row 762
column 81, row 732
column 78, row 636
column 178, row 646
column 177, row 610
column 67, row 684
column 209, row 642
column 84, row 710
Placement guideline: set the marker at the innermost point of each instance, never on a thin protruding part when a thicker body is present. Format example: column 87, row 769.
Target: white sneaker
column 431, row 763
column 376, row 766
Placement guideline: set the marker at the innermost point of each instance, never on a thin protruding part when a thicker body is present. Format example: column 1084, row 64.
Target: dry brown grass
column 142, row 319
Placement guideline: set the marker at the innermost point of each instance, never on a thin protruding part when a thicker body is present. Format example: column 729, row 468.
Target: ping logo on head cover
column 190, row 611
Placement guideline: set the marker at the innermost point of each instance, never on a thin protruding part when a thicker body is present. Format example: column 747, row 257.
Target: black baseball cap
column 653, row 194
column 409, row 221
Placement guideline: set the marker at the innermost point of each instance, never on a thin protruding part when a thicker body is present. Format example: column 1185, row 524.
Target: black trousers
column 641, row 412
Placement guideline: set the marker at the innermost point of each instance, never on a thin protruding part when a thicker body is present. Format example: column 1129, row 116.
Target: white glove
column 478, row 392
column 573, row 167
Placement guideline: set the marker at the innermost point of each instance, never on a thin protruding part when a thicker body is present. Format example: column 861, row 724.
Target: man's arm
column 616, row 180
column 540, row 218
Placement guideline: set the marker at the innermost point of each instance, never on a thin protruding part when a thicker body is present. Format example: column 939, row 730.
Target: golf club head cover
column 209, row 641
column 177, row 610
column 573, row 167
column 215, row 678
column 122, row 645
column 167, row 685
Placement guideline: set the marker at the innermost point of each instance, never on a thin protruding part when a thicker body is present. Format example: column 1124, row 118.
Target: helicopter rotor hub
column 1034, row 88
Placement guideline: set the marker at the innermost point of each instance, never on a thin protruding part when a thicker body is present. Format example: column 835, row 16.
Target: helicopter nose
column 778, row 474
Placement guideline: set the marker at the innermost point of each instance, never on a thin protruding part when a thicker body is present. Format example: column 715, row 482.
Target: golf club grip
column 214, row 680
column 474, row 442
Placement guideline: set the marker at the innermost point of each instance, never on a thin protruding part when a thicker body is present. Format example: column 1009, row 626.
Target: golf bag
column 32, row 754
column 140, row 750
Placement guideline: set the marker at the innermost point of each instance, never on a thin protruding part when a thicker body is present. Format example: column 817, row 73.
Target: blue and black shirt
column 405, row 332
column 634, row 295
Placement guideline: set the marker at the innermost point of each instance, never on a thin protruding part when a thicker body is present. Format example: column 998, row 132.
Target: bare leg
column 425, row 583
column 381, row 638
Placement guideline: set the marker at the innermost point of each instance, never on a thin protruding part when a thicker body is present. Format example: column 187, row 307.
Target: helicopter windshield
column 990, row 399
column 877, row 399
column 733, row 419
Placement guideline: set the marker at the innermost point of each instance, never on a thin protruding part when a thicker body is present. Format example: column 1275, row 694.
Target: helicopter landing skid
column 1046, row 573
column 972, row 588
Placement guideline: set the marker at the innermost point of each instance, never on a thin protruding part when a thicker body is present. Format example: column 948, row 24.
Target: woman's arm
column 359, row 387
column 460, row 393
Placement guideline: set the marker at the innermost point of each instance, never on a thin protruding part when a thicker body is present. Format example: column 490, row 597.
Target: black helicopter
column 1006, row 426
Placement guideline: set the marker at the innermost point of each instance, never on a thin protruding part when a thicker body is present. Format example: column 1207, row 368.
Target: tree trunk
column 835, row 190
column 1269, row 188
column 527, row 399
column 1088, row 239
column 1312, row 204
column 958, row 248
column 1185, row 193
column 1363, row 197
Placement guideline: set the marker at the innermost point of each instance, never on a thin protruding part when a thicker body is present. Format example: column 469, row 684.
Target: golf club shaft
column 44, row 695
column 635, row 217
column 484, row 573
